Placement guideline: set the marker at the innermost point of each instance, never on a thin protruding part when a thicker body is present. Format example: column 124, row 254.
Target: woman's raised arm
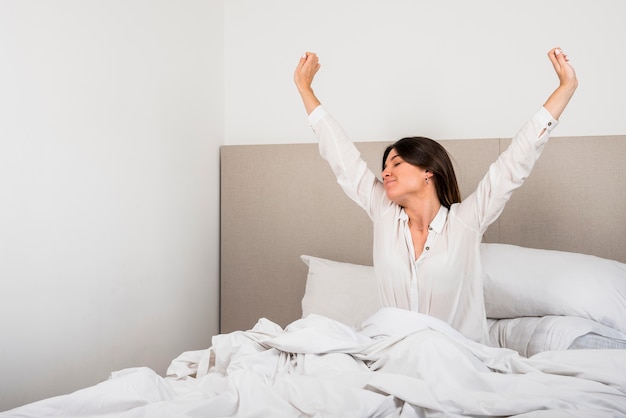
column 568, row 83
column 303, row 77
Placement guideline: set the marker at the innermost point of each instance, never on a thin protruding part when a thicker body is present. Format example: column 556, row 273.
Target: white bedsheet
column 401, row 364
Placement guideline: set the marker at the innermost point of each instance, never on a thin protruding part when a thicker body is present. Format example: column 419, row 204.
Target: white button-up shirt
column 446, row 281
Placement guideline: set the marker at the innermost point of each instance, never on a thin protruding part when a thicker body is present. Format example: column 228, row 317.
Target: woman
column 426, row 241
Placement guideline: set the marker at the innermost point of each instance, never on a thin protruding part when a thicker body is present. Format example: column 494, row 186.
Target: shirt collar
column 437, row 223
column 440, row 220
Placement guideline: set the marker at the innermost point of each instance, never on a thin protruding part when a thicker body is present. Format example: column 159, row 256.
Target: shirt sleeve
column 507, row 173
column 353, row 175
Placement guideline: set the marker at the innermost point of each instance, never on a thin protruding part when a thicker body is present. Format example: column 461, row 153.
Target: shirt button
column 427, row 248
column 549, row 123
column 430, row 228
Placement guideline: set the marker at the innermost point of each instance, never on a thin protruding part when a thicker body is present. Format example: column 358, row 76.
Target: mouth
column 388, row 182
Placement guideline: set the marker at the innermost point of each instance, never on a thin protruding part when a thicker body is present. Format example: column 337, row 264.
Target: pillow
column 532, row 282
column 531, row 335
column 345, row 292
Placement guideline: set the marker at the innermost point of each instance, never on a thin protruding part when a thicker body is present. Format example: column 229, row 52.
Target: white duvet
column 401, row 364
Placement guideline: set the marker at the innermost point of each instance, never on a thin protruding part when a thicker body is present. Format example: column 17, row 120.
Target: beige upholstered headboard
column 281, row 201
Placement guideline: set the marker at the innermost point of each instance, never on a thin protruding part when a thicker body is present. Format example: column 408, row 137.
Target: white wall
column 445, row 69
column 111, row 117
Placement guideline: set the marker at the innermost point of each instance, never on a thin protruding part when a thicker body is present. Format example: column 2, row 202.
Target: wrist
column 569, row 86
column 309, row 99
column 305, row 90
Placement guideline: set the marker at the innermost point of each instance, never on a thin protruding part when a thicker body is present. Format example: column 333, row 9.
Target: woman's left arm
column 513, row 166
column 568, row 83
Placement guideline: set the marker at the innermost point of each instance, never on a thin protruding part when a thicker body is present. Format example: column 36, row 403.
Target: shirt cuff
column 318, row 113
column 545, row 119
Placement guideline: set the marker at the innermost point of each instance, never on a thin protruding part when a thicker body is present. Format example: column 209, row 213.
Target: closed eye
column 395, row 161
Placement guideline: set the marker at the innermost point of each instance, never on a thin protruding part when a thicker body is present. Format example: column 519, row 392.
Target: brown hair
column 431, row 156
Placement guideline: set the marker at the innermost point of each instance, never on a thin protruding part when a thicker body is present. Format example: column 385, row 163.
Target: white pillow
column 532, row 282
column 531, row 335
column 344, row 292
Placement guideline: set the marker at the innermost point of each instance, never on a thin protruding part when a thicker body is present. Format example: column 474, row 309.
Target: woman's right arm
column 352, row 173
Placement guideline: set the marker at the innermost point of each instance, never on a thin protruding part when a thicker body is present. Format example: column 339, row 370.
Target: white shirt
column 446, row 281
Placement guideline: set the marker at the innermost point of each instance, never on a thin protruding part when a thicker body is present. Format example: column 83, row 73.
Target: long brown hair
column 430, row 155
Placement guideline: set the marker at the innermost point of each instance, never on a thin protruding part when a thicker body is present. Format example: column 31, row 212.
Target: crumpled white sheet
column 400, row 364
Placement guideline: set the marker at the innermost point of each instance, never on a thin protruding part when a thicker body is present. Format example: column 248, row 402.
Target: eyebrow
column 391, row 159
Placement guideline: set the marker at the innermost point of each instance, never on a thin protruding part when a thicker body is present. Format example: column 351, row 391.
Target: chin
column 393, row 198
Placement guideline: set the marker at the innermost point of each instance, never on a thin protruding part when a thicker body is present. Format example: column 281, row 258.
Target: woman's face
column 401, row 179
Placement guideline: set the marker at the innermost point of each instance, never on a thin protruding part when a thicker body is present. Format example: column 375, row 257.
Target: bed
column 301, row 333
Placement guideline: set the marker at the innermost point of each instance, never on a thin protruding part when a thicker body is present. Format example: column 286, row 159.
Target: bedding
column 400, row 364
column 532, row 335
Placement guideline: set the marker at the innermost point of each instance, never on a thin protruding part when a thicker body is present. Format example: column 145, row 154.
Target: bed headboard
column 281, row 201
